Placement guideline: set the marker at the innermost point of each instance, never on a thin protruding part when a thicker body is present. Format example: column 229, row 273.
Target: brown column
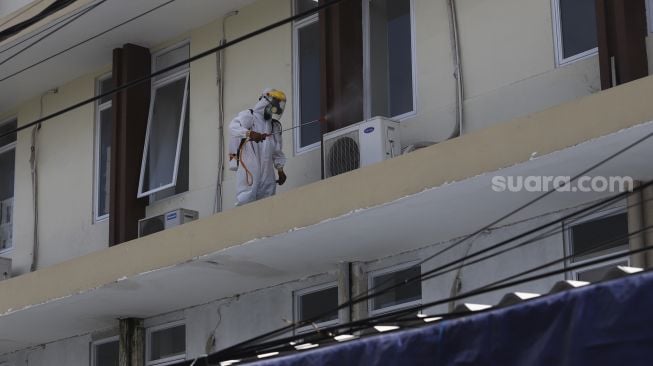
column 130, row 113
column 132, row 343
column 342, row 64
column 622, row 36
column 635, row 224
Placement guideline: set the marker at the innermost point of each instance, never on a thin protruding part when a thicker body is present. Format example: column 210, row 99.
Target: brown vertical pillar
column 130, row 113
column 622, row 36
column 132, row 343
column 636, row 224
column 342, row 64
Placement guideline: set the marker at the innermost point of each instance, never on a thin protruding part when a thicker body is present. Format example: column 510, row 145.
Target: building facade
column 494, row 89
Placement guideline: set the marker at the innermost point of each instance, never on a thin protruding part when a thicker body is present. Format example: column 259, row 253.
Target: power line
column 394, row 316
column 85, row 41
column 176, row 65
column 67, row 22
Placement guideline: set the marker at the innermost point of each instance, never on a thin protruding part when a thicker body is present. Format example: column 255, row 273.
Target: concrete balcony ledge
column 292, row 234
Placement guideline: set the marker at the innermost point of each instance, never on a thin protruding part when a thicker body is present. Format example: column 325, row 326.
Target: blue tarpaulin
column 609, row 323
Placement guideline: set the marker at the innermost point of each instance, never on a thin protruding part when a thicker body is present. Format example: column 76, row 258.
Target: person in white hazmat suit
column 260, row 153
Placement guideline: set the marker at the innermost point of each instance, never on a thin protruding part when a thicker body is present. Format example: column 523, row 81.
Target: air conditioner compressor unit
column 360, row 145
column 166, row 221
column 5, row 268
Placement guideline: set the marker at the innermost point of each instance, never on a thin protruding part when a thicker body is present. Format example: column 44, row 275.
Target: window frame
column 100, row 342
column 371, row 275
column 367, row 82
column 297, row 135
column 99, row 108
column 148, row 345
column 568, row 238
column 560, row 59
column 155, row 85
column 307, row 291
column 5, row 149
column 367, row 65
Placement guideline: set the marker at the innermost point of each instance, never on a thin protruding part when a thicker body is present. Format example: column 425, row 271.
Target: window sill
column 6, row 251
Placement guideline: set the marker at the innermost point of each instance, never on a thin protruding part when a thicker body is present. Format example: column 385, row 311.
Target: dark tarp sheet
column 603, row 324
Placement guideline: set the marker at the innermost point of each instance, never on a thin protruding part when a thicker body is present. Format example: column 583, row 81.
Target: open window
column 595, row 237
column 7, row 176
column 317, row 301
column 164, row 168
column 575, row 30
column 404, row 295
column 166, row 344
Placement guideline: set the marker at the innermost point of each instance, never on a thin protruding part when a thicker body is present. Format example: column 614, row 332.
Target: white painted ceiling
column 153, row 29
column 433, row 216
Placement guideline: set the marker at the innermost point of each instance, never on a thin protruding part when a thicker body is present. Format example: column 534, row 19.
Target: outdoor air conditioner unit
column 360, row 145
column 168, row 220
column 5, row 268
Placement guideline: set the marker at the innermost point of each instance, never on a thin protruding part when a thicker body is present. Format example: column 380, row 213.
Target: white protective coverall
column 255, row 177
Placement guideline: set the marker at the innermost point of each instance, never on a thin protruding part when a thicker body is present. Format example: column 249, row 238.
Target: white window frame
column 4, row 149
column 307, row 291
column 396, row 268
column 156, row 84
column 557, row 40
column 148, row 345
column 297, row 26
column 619, row 209
column 367, row 64
column 367, row 82
column 100, row 342
column 99, row 108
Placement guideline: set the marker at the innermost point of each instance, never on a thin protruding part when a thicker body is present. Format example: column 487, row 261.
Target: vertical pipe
column 458, row 69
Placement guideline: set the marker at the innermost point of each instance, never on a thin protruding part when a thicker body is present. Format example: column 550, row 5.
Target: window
column 105, row 352
column 575, row 29
column 603, row 234
column 315, row 301
column 103, row 136
column 389, row 73
column 399, row 297
column 7, row 175
column 166, row 344
column 307, row 78
column 649, row 15
column 164, row 170
column 390, row 55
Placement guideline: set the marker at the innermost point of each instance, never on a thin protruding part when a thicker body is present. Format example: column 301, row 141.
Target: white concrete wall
column 9, row 6
column 507, row 73
column 238, row 318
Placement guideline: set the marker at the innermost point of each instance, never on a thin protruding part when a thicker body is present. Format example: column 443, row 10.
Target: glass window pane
column 168, row 342
column 183, row 173
column 304, row 5
column 317, row 303
column 164, row 130
column 5, row 128
column 104, row 161
column 170, row 58
column 105, row 86
column 597, row 274
column 309, row 84
column 391, row 64
column 400, row 295
column 605, row 235
column 7, row 166
column 107, row 354
column 578, row 23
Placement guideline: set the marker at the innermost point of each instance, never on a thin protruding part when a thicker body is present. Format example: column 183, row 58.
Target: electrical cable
column 368, row 295
column 39, row 32
column 67, row 22
column 596, row 206
column 176, row 65
column 84, row 41
column 392, row 317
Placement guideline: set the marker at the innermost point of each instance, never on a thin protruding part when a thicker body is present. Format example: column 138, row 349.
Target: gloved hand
column 256, row 137
column 282, row 177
